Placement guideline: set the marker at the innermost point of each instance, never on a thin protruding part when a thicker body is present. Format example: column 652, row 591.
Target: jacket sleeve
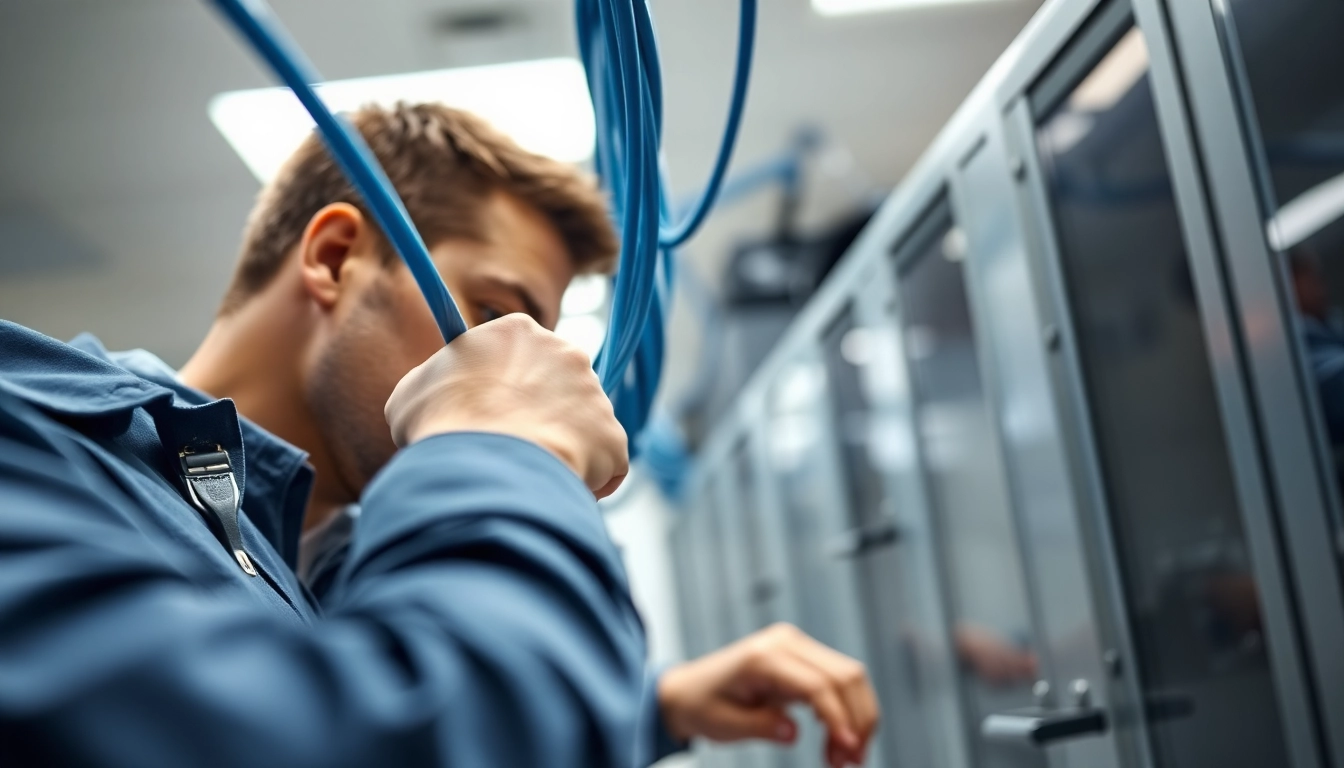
column 658, row 740
column 482, row 619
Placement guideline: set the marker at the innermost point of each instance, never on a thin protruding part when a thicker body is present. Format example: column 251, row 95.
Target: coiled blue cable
column 616, row 38
column 671, row 236
column 620, row 56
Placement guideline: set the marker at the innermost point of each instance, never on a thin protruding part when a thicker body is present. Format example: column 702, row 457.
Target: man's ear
column 328, row 242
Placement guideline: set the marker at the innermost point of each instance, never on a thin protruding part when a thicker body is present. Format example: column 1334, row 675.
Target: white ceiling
column 121, row 206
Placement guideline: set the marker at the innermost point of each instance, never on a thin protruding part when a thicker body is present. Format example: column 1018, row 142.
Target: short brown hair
column 445, row 164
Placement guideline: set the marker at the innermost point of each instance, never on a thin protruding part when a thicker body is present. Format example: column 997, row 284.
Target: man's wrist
column 448, row 426
column 670, row 699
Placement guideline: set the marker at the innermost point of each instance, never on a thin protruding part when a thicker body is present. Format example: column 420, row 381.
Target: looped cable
column 620, row 55
column 672, row 236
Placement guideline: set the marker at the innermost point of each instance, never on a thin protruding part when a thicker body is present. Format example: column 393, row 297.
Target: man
column 149, row 609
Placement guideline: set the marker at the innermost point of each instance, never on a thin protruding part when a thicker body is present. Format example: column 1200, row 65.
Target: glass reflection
column 1174, row 514
column 871, row 542
column 797, row 455
column 1289, row 63
column 845, row 347
column 761, row 587
column 985, row 586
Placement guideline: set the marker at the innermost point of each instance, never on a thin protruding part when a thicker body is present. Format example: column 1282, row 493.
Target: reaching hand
column 743, row 691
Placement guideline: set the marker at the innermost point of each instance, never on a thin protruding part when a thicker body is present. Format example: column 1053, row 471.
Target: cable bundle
column 620, row 55
column 621, row 58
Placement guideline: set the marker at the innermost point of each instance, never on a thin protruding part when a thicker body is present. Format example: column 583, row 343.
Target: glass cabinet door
column 805, row 475
column 1287, row 58
column 1283, row 59
column 757, row 589
column 872, row 543
column 1161, row 450
column 992, row 629
column 806, row 487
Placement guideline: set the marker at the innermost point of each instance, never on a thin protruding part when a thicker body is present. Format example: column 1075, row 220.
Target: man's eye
column 490, row 313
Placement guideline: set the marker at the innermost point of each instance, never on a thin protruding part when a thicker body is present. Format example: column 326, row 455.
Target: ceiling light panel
column 542, row 104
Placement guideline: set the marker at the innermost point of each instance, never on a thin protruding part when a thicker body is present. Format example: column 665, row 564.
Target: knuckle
column 854, row 673
column 818, row 692
column 506, row 323
column 784, row 631
column 514, row 323
column 756, row 655
column 577, row 357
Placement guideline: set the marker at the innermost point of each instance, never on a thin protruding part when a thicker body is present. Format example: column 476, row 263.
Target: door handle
column 860, row 541
column 1038, row 727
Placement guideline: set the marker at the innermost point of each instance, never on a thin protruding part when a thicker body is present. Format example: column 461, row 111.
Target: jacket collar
column 81, row 381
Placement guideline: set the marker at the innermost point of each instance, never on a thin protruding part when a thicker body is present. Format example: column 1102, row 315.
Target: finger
column 850, row 678
column 610, row 487
column 800, row 681
column 837, row 755
column 732, row 722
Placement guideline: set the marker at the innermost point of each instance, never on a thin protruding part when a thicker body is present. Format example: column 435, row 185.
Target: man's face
column 384, row 329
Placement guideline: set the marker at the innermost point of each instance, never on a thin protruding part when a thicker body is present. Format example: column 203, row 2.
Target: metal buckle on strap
column 214, row 491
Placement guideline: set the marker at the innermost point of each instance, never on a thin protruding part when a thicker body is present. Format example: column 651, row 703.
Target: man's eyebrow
column 530, row 303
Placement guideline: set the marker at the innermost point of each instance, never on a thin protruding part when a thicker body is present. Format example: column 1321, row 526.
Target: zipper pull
column 214, row 491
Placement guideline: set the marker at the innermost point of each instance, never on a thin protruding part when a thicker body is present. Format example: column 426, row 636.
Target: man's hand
column 743, row 691
column 511, row 376
column 992, row 658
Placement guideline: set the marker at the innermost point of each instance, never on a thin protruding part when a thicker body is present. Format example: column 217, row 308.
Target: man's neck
column 243, row 358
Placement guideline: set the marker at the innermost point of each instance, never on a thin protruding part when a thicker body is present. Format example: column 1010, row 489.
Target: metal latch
column 1042, row 725
column 214, row 491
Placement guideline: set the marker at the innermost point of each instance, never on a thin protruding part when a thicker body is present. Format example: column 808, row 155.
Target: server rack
column 1111, row 203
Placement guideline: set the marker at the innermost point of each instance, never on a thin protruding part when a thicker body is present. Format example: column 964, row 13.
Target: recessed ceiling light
column 543, row 104
column 846, row 7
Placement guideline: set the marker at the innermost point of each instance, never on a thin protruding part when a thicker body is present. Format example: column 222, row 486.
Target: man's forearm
column 482, row 619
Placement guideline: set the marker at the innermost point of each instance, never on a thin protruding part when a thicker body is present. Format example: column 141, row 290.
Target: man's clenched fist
column 511, row 376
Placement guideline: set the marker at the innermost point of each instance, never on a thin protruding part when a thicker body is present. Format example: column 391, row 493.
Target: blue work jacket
column 480, row 618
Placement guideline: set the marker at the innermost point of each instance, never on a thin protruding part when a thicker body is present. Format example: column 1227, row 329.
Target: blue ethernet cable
column 619, row 52
column 255, row 20
column 671, row 236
